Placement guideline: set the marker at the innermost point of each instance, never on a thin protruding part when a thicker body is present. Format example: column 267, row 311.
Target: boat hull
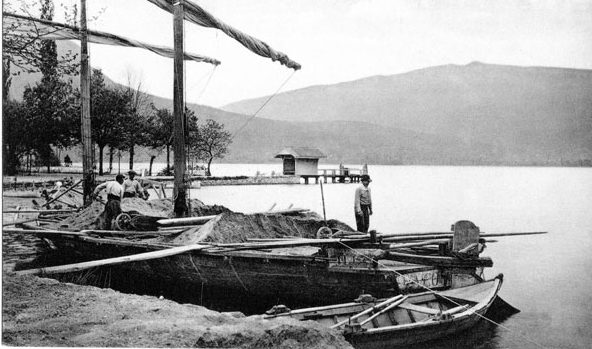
column 291, row 279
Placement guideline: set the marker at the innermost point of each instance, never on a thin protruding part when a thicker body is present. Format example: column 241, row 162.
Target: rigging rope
column 263, row 105
column 447, row 298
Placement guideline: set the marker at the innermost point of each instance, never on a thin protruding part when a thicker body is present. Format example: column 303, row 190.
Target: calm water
column 548, row 277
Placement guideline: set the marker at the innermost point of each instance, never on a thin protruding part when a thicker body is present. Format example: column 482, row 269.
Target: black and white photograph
column 311, row 174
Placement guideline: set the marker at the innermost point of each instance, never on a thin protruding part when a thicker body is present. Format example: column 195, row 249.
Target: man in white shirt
column 114, row 191
column 363, row 205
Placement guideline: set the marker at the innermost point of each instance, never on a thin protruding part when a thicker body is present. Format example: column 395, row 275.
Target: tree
column 51, row 104
column 25, row 52
column 109, row 108
column 212, row 142
column 159, row 131
column 136, row 121
column 15, row 124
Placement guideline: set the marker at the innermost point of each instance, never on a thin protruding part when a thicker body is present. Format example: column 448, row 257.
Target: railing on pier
column 337, row 175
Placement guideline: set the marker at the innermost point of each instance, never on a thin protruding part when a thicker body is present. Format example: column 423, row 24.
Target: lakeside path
column 42, row 312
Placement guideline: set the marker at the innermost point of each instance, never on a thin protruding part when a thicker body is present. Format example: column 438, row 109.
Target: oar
column 113, row 261
column 378, row 306
column 389, row 307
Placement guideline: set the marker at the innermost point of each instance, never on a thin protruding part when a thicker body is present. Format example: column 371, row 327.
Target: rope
column 263, row 105
column 236, row 274
column 448, row 299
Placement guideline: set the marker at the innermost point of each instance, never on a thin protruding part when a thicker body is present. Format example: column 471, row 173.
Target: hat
column 132, row 173
column 365, row 178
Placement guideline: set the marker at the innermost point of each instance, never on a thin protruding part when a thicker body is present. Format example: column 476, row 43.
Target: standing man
column 114, row 193
column 131, row 187
column 363, row 205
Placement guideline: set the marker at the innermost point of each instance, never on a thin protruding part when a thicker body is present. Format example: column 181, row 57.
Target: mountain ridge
column 458, row 104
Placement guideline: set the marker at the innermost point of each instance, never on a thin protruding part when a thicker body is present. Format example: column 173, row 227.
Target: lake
column 548, row 277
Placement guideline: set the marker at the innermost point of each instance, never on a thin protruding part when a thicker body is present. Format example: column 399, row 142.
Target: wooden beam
column 87, row 148
column 113, row 261
column 180, row 208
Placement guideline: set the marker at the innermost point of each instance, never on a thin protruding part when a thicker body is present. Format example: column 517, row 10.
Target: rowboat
column 403, row 320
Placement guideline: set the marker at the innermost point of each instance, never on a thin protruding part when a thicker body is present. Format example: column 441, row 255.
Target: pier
column 337, row 175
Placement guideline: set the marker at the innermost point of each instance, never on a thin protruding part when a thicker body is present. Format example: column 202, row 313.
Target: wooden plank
column 112, row 261
column 185, row 221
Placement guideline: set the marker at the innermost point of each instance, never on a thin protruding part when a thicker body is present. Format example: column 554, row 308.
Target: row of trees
column 122, row 118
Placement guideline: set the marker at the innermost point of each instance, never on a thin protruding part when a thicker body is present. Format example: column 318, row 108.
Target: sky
column 337, row 41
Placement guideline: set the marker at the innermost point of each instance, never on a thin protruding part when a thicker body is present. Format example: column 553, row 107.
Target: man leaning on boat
column 114, row 191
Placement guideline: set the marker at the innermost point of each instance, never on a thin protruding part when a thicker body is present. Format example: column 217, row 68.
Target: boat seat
column 419, row 309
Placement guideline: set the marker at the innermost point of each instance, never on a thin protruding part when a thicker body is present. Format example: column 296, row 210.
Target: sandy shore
column 44, row 312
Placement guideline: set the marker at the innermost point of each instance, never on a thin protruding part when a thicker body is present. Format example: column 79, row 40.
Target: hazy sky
column 340, row 40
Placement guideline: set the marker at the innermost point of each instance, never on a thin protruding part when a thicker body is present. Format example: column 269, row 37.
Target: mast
column 179, row 191
column 87, row 150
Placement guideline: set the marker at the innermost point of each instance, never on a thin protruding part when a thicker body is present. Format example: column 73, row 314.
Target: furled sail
column 194, row 13
column 48, row 30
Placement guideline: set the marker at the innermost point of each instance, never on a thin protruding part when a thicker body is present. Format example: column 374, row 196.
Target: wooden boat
column 306, row 271
column 293, row 274
column 405, row 320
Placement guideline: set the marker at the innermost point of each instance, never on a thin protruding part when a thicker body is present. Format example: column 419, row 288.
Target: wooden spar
column 44, row 231
column 62, row 194
column 387, row 308
column 87, row 149
column 39, row 211
column 184, row 221
column 179, row 191
column 378, row 306
column 440, row 261
column 395, row 237
column 417, row 244
column 323, row 199
column 113, row 261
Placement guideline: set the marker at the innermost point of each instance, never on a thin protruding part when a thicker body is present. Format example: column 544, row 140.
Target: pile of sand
column 91, row 216
column 238, row 227
column 39, row 312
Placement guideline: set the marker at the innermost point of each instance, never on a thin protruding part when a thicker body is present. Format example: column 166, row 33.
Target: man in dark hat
column 363, row 204
column 131, row 187
column 114, row 193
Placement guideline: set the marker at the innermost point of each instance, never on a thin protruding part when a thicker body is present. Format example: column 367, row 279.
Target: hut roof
column 301, row 153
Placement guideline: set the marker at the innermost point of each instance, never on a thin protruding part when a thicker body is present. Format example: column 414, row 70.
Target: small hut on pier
column 300, row 161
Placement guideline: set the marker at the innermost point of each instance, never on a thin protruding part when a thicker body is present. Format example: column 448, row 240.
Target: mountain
column 477, row 114
column 515, row 114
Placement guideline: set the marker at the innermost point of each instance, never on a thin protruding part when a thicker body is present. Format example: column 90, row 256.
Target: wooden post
column 179, row 190
column 87, row 150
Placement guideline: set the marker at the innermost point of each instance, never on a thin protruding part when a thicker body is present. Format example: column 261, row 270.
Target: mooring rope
column 263, row 105
column 447, row 298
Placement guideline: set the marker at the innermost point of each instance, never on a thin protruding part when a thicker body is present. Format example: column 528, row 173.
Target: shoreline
column 43, row 312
